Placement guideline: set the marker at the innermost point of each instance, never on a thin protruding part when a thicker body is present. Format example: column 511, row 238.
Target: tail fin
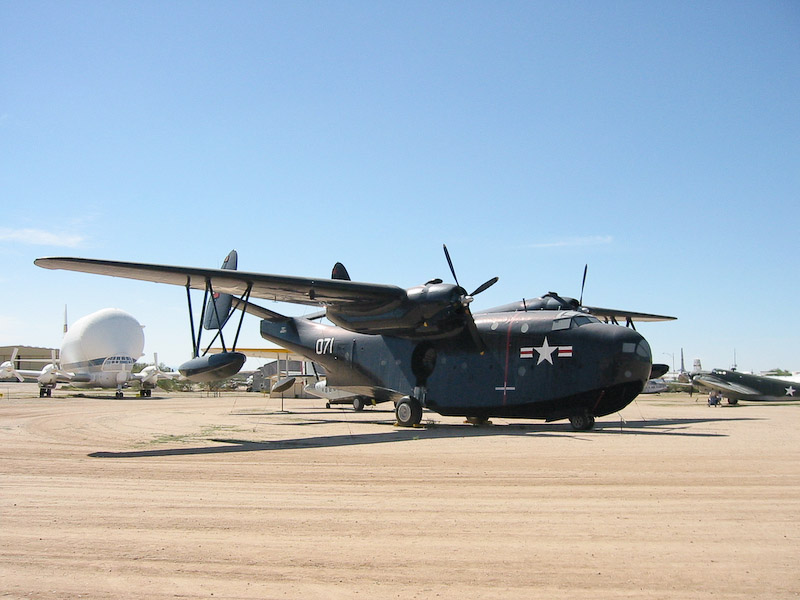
column 219, row 305
column 339, row 272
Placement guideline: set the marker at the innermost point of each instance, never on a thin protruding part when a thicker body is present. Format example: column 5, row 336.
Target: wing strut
column 241, row 318
column 191, row 317
column 196, row 337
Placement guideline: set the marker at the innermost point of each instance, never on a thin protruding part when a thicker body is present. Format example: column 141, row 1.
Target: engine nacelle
column 49, row 375
column 433, row 310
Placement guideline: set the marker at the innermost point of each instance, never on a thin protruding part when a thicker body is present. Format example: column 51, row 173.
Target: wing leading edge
column 617, row 315
column 280, row 288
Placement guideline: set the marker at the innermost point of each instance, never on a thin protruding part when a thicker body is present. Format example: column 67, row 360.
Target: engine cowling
column 433, row 310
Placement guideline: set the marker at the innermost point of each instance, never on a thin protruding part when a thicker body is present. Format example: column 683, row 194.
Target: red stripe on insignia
column 526, row 352
column 565, row 351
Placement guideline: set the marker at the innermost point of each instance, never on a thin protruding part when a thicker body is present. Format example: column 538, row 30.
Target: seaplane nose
column 633, row 359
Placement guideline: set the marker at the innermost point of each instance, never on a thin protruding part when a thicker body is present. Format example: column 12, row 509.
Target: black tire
column 582, row 422
column 408, row 412
column 358, row 404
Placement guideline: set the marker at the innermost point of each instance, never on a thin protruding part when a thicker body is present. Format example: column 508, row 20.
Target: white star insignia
column 790, row 391
column 545, row 352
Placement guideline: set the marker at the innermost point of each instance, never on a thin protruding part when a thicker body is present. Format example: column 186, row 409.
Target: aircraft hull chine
column 599, row 403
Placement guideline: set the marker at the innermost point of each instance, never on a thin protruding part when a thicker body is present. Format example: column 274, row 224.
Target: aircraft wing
column 281, row 288
column 726, row 387
column 11, row 373
column 625, row 315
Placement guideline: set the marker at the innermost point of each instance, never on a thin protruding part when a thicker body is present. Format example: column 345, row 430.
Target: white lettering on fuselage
column 324, row 345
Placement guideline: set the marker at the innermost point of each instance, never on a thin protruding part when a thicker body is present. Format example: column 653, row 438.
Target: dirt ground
column 190, row 496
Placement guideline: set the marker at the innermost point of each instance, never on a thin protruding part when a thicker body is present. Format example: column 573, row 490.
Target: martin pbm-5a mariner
column 548, row 358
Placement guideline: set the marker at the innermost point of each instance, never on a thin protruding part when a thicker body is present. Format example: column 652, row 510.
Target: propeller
column 50, row 373
column 152, row 373
column 7, row 369
column 481, row 288
column 467, row 299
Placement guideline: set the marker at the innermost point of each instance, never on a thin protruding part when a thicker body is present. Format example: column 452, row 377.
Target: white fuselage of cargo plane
column 102, row 347
column 98, row 350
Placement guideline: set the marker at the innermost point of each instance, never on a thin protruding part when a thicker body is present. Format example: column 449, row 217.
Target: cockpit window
column 584, row 319
column 574, row 321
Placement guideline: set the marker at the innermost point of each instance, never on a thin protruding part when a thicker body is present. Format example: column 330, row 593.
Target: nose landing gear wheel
column 582, row 422
column 408, row 412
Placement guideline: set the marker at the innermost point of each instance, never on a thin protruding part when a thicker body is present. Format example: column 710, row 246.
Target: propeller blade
column 585, row 268
column 450, row 262
column 12, row 368
column 485, row 286
column 473, row 332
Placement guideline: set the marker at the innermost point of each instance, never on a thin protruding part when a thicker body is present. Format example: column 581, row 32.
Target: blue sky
column 657, row 142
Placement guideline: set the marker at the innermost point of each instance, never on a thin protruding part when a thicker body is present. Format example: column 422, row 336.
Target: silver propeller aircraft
column 422, row 347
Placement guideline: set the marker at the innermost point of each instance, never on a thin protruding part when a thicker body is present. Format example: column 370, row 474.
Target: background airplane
column 99, row 350
column 736, row 386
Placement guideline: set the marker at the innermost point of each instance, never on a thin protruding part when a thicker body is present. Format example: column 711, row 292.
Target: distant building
column 265, row 377
column 28, row 357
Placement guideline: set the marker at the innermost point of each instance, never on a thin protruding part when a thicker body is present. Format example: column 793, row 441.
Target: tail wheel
column 408, row 412
column 582, row 422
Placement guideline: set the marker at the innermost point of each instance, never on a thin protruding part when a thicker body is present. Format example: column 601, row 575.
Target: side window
column 560, row 324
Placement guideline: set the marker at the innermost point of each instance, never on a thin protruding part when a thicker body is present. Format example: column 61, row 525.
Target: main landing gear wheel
column 118, row 395
column 582, row 422
column 358, row 404
column 408, row 412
